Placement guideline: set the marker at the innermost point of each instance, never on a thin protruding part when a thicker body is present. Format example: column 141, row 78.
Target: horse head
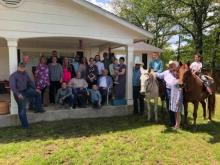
column 143, row 78
column 182, row 71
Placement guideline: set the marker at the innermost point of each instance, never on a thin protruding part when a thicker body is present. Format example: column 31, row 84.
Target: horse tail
column 211, row 104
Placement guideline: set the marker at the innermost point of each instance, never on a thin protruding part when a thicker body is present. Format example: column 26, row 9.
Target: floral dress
column 42, row 76
column 176, row 101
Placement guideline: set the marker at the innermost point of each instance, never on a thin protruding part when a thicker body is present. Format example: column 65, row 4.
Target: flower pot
column 4, row 107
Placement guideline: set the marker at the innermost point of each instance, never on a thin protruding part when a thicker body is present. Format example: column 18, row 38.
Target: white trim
column 113, row 17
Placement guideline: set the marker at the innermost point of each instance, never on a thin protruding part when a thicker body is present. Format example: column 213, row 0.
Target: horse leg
column 155, row 109
column 148, row 109
column 204, row 108
column 185, row 113
column 196, row 104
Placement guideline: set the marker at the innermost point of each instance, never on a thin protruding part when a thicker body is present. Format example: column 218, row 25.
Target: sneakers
column 116, row 82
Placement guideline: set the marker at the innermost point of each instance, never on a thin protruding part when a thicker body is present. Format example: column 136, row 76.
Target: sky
column 105, row 4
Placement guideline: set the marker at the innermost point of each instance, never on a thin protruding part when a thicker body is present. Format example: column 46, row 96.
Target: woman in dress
column 92, row 73
column 42, row 76
column 120, row 86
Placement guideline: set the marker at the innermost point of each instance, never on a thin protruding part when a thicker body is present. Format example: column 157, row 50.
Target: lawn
column 118, row 140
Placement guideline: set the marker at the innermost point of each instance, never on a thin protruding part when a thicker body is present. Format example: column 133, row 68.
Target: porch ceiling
column 64, row 43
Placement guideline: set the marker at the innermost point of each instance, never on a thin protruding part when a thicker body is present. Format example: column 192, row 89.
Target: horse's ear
column 180, row 63
column 149, row 70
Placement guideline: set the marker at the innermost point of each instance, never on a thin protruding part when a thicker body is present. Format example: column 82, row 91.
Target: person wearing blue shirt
column 137, row 97
column 156, row 64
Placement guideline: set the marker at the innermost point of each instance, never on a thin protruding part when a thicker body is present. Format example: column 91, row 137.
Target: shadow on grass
column 72, row 128
column 210, row 128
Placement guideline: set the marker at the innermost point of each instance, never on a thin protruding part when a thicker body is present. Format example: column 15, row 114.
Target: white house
column 36, row 27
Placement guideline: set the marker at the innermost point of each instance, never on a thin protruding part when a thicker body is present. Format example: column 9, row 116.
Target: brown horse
column 195, row 92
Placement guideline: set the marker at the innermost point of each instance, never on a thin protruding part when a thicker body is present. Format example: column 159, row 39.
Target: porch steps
column 61, row 114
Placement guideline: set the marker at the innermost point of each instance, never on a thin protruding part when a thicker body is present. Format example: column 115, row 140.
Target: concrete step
column 60, row 114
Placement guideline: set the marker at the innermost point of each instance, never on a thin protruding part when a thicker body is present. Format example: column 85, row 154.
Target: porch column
column 13, row 63
column 129, row 59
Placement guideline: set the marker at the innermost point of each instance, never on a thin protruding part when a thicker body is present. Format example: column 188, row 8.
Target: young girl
column 196, row 68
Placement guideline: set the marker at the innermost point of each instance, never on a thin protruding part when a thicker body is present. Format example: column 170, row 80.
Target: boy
column 65, row 96
column 95, row 96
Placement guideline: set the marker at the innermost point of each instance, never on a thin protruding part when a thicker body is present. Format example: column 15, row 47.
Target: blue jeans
column 171, row 113
column 22, row 104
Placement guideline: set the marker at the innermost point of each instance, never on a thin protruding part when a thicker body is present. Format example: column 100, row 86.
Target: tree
column 196, row 17
column 140, row 13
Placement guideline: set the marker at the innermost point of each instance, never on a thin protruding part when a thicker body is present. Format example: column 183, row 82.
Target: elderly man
column 104, row 83
column 23, row 89
column 79, row 86
column 156, row 64
column 137, row 97
column 169, row 77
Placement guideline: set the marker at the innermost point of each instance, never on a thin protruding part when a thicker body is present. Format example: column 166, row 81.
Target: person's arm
column 110, row 82
column 30, row 83
column 160, row 75
column 12, row 84
column 123, row 71
column 160, row 70
column 85, row 84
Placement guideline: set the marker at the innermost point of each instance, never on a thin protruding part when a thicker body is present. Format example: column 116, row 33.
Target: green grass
column 119, row 140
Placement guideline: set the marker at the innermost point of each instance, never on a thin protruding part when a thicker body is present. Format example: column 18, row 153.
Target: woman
column 42, row 76
column 56, row 78
column 83, row 68
column 67, row 70
column 92, row 73
column 120, row 86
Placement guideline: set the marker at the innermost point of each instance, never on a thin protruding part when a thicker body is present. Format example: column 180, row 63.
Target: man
column 99, row 65
column 104, row 83
column 156, row 64
column 79, row 87
column 23, row 89
column 137, row 97
column 169, row 77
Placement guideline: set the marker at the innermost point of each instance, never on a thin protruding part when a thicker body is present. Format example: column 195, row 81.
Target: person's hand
column 20, row 96
column 178, row 104
column 38, row 91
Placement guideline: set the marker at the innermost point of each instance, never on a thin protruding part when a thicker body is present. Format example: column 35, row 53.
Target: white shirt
column 100, row 67
column 196, row 66
column 168, row 77
column 103, row 82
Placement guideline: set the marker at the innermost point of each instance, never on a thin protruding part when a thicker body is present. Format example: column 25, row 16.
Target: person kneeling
column 64, row 96
column 95, row 96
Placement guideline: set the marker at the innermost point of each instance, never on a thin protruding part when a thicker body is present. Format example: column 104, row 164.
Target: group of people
column 174, row 89
column 71, row 81
column 78, row 82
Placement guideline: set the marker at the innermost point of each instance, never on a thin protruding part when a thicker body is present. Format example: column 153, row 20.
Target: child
column 95, row 96
column 65, row 96
column 116, row 70
column 196, row 68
